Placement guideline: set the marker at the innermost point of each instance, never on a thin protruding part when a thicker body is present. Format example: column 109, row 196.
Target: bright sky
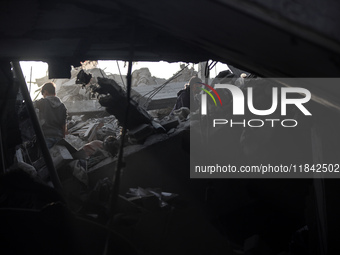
column 159, row 69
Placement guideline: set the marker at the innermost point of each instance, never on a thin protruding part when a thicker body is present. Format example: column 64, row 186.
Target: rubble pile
column 81, row 132
column 156, row 157
column 88, row 153
column 86, row 160
column 186, row 74
column 76, row 97
column 68, row 90
column 143, row 76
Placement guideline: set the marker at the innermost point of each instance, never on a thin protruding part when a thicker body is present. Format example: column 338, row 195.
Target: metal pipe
column 120, row 163
column 120, row 74
column 19, row 77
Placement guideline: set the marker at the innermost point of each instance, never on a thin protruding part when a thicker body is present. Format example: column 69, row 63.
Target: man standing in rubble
column 52, row 115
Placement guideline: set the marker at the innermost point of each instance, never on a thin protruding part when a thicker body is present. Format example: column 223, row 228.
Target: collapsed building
column 87, row 163
column 139, row 198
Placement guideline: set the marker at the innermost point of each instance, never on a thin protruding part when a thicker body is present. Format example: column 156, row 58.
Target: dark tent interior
column 270, row 39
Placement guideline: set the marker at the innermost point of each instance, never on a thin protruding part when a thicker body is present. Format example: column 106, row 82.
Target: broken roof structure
column 267, row 38
column 301, row 38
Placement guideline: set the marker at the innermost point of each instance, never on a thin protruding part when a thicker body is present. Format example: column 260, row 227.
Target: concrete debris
column 170, row 122
column 74, row 120
column 101, row 169
column 186, row 74
column 92, row 147
column 60, row 156
column 143, row 76
column 165, row 98
column 87, row 135
column 160, row 113
column 110, row 128
column 79, row 172
column 89, row 129
column 81, row 132
column 97, row 157
column 140, row 133
column 83, row 107
column 86, row 159
column 86, row 162
column 97, row 72
column 80, row 99
column 86, row 132
column 75, row 141
column 89, row 64
column 182, row 113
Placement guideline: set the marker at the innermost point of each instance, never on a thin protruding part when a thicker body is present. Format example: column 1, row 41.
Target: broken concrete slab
column 140, row 133
column 166, row 97
column 141, row 163
column 68, row 146
column 89, row 128
column 83, row 107
column 169, row 123
column 105, row 168
column 75, row 141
